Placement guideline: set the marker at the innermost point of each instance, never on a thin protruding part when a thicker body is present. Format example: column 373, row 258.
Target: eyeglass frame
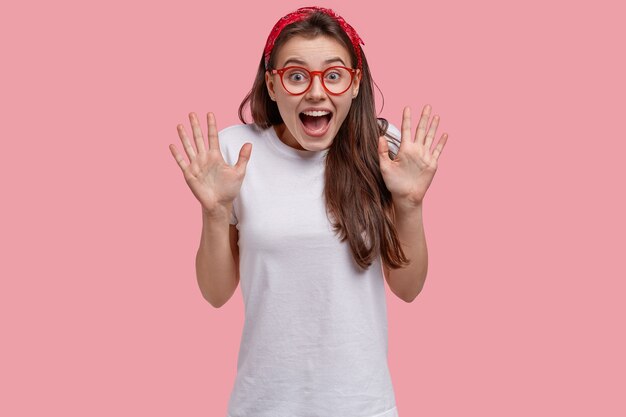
column 312, row 74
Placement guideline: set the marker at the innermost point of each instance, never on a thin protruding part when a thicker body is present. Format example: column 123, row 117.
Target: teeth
column 316, row 113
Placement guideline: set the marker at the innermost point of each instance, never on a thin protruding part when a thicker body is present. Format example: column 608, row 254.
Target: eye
column 296, row 76
column 335, row 75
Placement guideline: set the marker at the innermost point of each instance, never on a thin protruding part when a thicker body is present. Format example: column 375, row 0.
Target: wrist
column 217, row 212
column 402, row 206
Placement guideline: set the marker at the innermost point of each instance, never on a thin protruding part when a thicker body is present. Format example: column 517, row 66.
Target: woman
column 310, row 222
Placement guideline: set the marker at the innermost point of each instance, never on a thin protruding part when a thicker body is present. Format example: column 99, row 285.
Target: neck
column 285, row 137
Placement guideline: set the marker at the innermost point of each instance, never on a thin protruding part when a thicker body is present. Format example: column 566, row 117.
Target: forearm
column 407, row 282
column 216, row 271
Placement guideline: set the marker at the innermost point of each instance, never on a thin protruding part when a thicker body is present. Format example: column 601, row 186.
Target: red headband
column 303, row 13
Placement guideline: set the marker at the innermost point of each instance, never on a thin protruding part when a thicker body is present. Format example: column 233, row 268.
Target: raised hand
column 409, row 175
column 214, row 183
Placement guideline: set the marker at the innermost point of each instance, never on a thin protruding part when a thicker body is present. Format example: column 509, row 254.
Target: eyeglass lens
column 297, row 80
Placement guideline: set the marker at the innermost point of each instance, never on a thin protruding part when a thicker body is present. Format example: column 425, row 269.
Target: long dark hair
column 355, row 193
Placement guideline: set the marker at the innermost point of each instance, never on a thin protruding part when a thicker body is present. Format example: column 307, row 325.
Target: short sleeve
column 394, row 131
column 394, row 144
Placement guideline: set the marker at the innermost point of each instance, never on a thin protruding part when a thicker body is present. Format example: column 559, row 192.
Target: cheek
column 287, row 110
column 344, row 106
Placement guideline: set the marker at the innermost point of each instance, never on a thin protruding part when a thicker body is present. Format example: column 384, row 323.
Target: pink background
column 522, row 313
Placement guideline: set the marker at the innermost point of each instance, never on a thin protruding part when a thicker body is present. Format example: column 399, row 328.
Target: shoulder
column 394, row 131
column 240, row 131
column 233, row 137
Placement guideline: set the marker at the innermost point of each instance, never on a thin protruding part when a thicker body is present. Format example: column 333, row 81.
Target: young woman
column 312, row 223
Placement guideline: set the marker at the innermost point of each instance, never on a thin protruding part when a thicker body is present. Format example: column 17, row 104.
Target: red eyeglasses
column 297, row 80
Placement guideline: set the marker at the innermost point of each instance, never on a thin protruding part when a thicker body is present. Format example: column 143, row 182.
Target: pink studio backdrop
column 522, row 311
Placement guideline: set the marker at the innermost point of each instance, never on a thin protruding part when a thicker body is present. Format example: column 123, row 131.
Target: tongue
column 314, row 123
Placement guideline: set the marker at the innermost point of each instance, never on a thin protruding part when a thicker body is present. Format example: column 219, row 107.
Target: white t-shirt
column 314, row 341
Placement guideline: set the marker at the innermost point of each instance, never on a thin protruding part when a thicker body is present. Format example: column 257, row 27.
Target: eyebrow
column 301, row 62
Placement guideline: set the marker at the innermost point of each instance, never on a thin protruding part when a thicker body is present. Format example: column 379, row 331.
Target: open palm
column 409, row 175
column 211, row 179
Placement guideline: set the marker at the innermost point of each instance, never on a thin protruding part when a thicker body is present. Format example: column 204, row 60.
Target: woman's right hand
column 214, row 183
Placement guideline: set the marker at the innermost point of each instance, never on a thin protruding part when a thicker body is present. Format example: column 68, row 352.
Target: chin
column 317, row 143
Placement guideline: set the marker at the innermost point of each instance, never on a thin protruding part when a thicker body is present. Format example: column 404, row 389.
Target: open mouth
column 316, row 122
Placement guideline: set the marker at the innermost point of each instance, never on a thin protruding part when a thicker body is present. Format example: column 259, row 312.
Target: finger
column 213, row 140
column 431, row 132
column 440, row 146
column 420, row 134
column 406, row 126
column 244, row 157
column 197, row 132
column 383, row 150
column 189, row 150
column 179, row 158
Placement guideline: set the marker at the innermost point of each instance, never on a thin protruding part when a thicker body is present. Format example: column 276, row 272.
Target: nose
column 316, row 90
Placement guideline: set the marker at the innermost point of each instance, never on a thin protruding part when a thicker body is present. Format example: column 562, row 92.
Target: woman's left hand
column 409, row 175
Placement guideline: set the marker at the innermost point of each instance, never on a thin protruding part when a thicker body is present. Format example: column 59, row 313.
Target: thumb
column 383, row 150
column 244, row 156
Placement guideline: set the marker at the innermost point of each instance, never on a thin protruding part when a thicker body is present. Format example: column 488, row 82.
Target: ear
column 269, row 83
column 357, row 83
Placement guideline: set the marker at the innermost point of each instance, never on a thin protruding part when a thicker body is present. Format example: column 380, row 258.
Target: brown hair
column 355, row 193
